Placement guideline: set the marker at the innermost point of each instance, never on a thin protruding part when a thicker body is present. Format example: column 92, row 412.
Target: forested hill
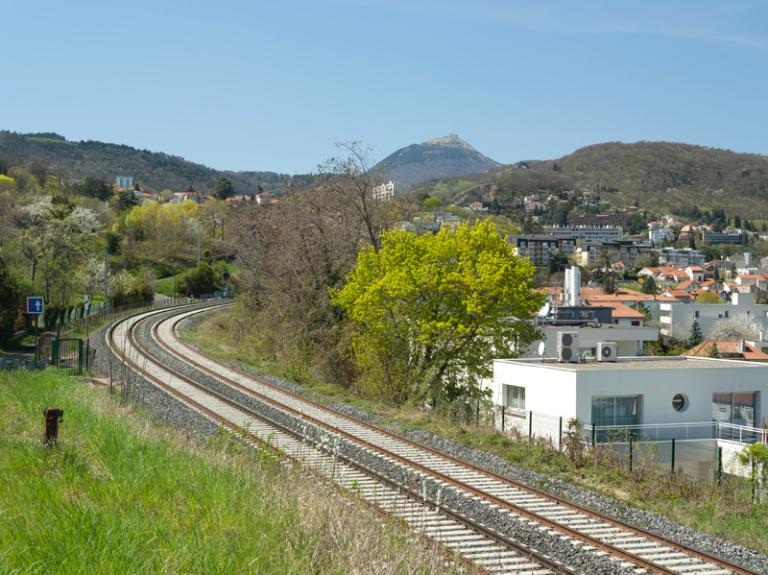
column 105, row 161
column 656, row 175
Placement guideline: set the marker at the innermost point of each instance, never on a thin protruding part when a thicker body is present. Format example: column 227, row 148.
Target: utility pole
column 106, row 277
column 199, row 229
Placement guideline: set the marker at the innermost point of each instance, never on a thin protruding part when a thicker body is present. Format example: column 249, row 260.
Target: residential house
column 696, row 273
column 658, row 233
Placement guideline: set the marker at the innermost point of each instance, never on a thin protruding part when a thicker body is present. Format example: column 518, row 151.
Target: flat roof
column 649, row 362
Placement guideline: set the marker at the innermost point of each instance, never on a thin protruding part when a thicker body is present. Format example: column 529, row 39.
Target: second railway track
column 499, row 525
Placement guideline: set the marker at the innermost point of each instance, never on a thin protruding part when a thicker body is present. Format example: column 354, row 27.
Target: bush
column 199, row 280
column 125, row 289
column 10, row 300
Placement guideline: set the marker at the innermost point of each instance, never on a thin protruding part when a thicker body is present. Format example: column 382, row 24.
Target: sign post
column 225, row 277
column 35, row 308
column 86, row 309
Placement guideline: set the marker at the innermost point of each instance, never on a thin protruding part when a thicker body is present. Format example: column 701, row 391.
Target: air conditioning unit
column 607, row 351
column 567, row 346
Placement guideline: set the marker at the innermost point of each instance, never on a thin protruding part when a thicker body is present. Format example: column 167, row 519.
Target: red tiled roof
column 622, row 311
column 632, row 296
column 730, row 347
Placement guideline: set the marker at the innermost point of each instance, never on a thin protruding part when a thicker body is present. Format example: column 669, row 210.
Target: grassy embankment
column 121, row 494
column 725, row 511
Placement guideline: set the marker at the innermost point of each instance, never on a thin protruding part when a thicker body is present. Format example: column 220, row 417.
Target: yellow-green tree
column 708, row 297
column 428, row 313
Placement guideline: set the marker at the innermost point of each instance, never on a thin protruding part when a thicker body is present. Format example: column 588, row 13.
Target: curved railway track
column 464, row 509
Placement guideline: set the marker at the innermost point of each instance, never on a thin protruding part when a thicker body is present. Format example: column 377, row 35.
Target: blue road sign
column 35, row 305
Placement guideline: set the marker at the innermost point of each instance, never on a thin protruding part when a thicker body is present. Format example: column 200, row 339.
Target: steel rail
column 695, row 553
column 523, row 550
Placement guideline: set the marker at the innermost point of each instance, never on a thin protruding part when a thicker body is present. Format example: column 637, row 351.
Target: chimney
column 572, row 285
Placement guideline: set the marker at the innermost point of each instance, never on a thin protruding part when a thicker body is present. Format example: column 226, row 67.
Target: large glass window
column 622, row 410
column 516, row 397
column 736, row 408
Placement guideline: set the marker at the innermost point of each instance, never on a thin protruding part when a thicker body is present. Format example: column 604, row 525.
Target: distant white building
column 658, row 233
column 676, row 319
column 384, row 192
column 124, row 182
column 681, row 257
column 590, row 233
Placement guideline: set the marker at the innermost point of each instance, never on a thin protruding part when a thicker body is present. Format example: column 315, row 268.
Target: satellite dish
column 544, row 311
column 542, row 348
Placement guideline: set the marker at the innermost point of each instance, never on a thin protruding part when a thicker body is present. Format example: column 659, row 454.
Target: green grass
column 120, row 494
column 726, row 511
column 167, row 286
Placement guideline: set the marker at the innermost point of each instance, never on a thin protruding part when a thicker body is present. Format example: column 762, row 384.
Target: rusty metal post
column 52, row 417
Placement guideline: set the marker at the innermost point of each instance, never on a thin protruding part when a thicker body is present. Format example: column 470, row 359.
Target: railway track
column 499, row 525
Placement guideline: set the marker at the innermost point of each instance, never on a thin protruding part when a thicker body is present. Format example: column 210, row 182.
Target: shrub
column 199, row 280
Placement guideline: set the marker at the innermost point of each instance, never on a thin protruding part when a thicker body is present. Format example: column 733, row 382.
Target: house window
column 619, row 410
column 636, row 322
column 736, row 408
column 516, row 397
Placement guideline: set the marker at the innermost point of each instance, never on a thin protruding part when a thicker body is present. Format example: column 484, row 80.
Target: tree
column 223, row 189
column 608, row 281
column 293, row 255
column 558, row 261
column 696, row 336
column 199, row 281
column 54, row 238
column 708, row 297
column 92, row 275
column 755, row 456
column 126, row 200
column 739, row 327
column 94, row 188
column 427, row 313
column 351, row 178
column 713, row 351
column 10, row 300
column 649, row 285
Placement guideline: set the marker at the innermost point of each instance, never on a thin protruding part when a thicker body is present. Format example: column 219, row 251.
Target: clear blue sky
column 273, row 85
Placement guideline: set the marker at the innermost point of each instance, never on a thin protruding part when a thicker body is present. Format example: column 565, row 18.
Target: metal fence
column 698, row 459
column 67, row 354
column 13, row 363
column 99, row 314
column 740, row 433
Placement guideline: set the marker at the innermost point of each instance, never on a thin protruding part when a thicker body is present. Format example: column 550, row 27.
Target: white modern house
column 635, row 391
column 676, row 318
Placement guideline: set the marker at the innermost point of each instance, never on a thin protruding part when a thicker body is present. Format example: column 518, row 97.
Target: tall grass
column 121, row 494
